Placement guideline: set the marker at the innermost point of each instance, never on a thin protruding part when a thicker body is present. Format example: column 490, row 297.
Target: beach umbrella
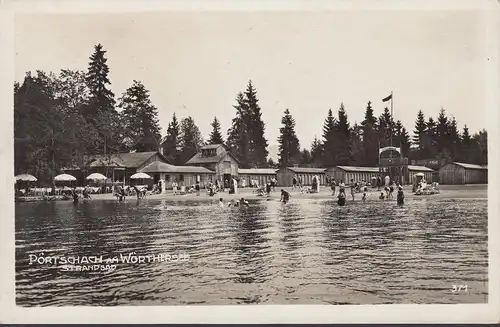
column 140, row 176
column 96, row 177
column 64, row 178
column 26, row 178
column 420, row 174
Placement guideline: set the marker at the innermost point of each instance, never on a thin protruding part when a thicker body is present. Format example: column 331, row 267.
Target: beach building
column 285, row 175
column 429, row 174
column 217, row 158
column 358, row 174
column 260, row 175
column 117, row 166
column 463, row 173
column 182, row 175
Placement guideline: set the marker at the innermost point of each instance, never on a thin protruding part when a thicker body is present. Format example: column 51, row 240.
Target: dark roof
column 307, row 170
column 199, row 159
column 419, row 168
column 161, row 167
column 359, row 169
column 212, row 146
column 158, row 167
column 470, row 166
column 257, row 171
column 129, row 160
column 193, row 169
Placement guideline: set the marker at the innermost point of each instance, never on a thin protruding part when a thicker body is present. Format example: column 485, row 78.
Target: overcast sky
column 195, row 63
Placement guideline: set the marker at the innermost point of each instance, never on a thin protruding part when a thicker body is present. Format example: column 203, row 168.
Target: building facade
column 463, row 173
column 358, row 174
column 183, row 175
column 429, row 174
column 260, row 175
column 285, row 175
column 217, row 158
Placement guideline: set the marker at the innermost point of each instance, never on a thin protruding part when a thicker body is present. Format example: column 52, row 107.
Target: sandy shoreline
column 446, row 192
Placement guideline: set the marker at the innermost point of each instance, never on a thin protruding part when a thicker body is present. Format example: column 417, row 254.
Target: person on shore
column 391, row 191
column 379, row 183
column 294, row 182
column 333, row 186
column 75, row 195
column 401, row 196
column 268, row 188
column 197, row 188
column 300, row 182
column 353, row 188
column 285, row 196
column 174, row 187
column 342, row 187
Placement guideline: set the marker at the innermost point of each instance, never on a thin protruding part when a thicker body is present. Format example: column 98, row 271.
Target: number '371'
column 459, row 288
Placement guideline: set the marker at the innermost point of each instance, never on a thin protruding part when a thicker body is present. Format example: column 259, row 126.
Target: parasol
column 26, row 178
column 140, row 176
column 96, row 177
column 64, row 178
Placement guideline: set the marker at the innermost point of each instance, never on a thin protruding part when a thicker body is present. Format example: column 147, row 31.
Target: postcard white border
column 458, row 313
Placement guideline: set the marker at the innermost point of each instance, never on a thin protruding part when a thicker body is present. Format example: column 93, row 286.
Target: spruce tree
column 100, row 110
column 289, row 147
column 420, row 128
column 317, row 153
column 305, row 158
column 191, row 139
column 329, row 141
column 442, row 130
column 465, row 151
column 238, row 138
column 370, row 142
column 454, row 143
column 256, row 128
column 171, row 145
column 385, row 128
column 216, row 135
column 357, row 152
column 140, row 118
column 343, row 138
column 429, row 147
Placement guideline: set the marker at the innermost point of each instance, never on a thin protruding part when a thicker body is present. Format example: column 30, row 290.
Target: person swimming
column 382, row 196
column 401, row 196
column 285, row 196
column 221, row 203
column 244, row 202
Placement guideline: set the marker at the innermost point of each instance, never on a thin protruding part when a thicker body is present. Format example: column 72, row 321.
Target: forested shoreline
column 60, row 118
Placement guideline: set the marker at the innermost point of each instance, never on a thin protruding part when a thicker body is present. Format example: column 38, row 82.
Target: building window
column 181, row 178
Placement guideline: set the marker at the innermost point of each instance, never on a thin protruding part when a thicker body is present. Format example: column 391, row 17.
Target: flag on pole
column 387, row 98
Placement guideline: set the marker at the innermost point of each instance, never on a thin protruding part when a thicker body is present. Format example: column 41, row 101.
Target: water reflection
column 307, row 251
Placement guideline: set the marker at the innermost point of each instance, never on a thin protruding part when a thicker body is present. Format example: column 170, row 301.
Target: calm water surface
column 305, row 252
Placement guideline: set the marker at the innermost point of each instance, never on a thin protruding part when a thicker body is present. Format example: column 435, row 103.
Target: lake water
column 304, row 252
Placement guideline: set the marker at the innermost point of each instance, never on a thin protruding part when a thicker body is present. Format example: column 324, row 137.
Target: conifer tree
column 171, row 143
column 100, row 110
column 329, row 141
column 317, row 153
column 256, row 128
column 289, row 147
column 370, row 143
column 385, row 128
column 357, row 145
column 140, row 119
column 343, row 138
column 191, row 139
column 216, row 135
column 238, row 137
column 465, row 152
column 420, row 128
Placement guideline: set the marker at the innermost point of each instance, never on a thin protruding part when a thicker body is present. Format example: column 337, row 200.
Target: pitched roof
column 129, row 160
column 307, row 170
column 419, row 168
column 359, row 169
column 200, row 159
column 257, row 171
column 161, row 167
column 158, row 167
column 470, row 166
column 193, row 170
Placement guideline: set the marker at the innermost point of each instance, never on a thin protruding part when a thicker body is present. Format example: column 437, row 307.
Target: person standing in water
column 353, row 188
column 401, row 196
column 332, row 185
column 294, row 182
column 197, row 188
column 285, row 196
column 221, row 203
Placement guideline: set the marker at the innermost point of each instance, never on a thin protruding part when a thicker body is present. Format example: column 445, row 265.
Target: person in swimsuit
column 353, row 188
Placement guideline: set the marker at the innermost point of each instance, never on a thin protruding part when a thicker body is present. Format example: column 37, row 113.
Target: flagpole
column 392, row 118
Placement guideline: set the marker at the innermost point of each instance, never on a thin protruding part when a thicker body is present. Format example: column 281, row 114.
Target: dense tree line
column 59, row 119
column 357, row 145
